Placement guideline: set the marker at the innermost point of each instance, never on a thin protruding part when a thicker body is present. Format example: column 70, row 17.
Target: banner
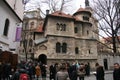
column 18, row 34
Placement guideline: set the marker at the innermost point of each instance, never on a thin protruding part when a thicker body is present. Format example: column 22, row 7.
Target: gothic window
column 76, row 50
column 64, row 47
column 6, row 27
column 58, row 47
column 86, row 18
column 76, row 30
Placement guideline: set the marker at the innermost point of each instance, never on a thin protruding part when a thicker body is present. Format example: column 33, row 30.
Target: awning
column 41, row 40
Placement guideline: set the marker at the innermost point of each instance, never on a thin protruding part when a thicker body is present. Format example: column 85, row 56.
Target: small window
column 64, row 48
column 76, row 30
column 89, row 51
column 58, row 47
column 31, row 25
column 86, row 18
column 76, row 50
column 87, row 32
column 6, row 27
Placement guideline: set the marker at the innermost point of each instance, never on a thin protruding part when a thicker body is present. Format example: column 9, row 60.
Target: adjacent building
column 11, row 16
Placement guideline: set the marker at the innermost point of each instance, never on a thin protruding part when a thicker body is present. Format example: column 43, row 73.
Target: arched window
column 58, row 47
column 64, row 47
column 64, row 27
column 31, row 25
column 76, row 50
column 57, row 26
column 6, row 27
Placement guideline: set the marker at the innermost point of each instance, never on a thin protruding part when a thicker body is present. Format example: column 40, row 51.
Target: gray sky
column 74, row 6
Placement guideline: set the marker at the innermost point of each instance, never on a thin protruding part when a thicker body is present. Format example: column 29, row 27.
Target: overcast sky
column 74, row 6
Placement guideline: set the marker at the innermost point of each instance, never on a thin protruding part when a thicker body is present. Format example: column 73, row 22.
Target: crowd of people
column 68, row 71
column 57, row 71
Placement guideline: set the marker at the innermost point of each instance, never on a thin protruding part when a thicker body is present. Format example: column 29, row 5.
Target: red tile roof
column 39, row 28
column 83, row 10
column 61, row 14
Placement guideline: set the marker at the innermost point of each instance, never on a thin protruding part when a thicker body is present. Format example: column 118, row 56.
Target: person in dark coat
column 7, row 71
column 116, row 72
column 52, row 72
column 16, row 75
column 73, row 72
column 99, row 72
column 1, row 70
column 87, row 69
column 43, row 71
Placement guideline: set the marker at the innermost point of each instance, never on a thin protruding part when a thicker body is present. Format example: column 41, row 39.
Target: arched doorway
column 42, row 58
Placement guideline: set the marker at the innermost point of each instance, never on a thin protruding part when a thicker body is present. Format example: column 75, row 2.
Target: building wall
column 110, row 59
column 8, row 42
column 83, row 40
column 51, row 28
column 17, row 6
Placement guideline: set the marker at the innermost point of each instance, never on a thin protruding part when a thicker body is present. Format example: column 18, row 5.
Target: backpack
column 24, row 76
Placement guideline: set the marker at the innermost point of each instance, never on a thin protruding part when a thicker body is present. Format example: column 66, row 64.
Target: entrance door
column 42, row 58
column 105, row 64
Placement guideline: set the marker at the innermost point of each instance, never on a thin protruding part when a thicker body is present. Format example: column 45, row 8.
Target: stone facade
column 69, row 38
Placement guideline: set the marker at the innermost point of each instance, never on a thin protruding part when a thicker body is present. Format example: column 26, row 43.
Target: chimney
column 47, row 12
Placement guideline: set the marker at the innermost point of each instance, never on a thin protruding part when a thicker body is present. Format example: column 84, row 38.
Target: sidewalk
column 106, row 72
column 108, row 76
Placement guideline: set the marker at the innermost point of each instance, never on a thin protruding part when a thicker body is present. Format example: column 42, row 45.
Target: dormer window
column 85, row 18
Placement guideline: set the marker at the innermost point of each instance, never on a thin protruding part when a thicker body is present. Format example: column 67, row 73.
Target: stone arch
column 42, row 58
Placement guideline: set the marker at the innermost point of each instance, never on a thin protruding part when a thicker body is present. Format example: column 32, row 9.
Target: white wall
column 17, row 6
column 9, row 41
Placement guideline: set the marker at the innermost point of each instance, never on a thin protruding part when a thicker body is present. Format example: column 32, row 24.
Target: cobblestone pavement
column 108, row 76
